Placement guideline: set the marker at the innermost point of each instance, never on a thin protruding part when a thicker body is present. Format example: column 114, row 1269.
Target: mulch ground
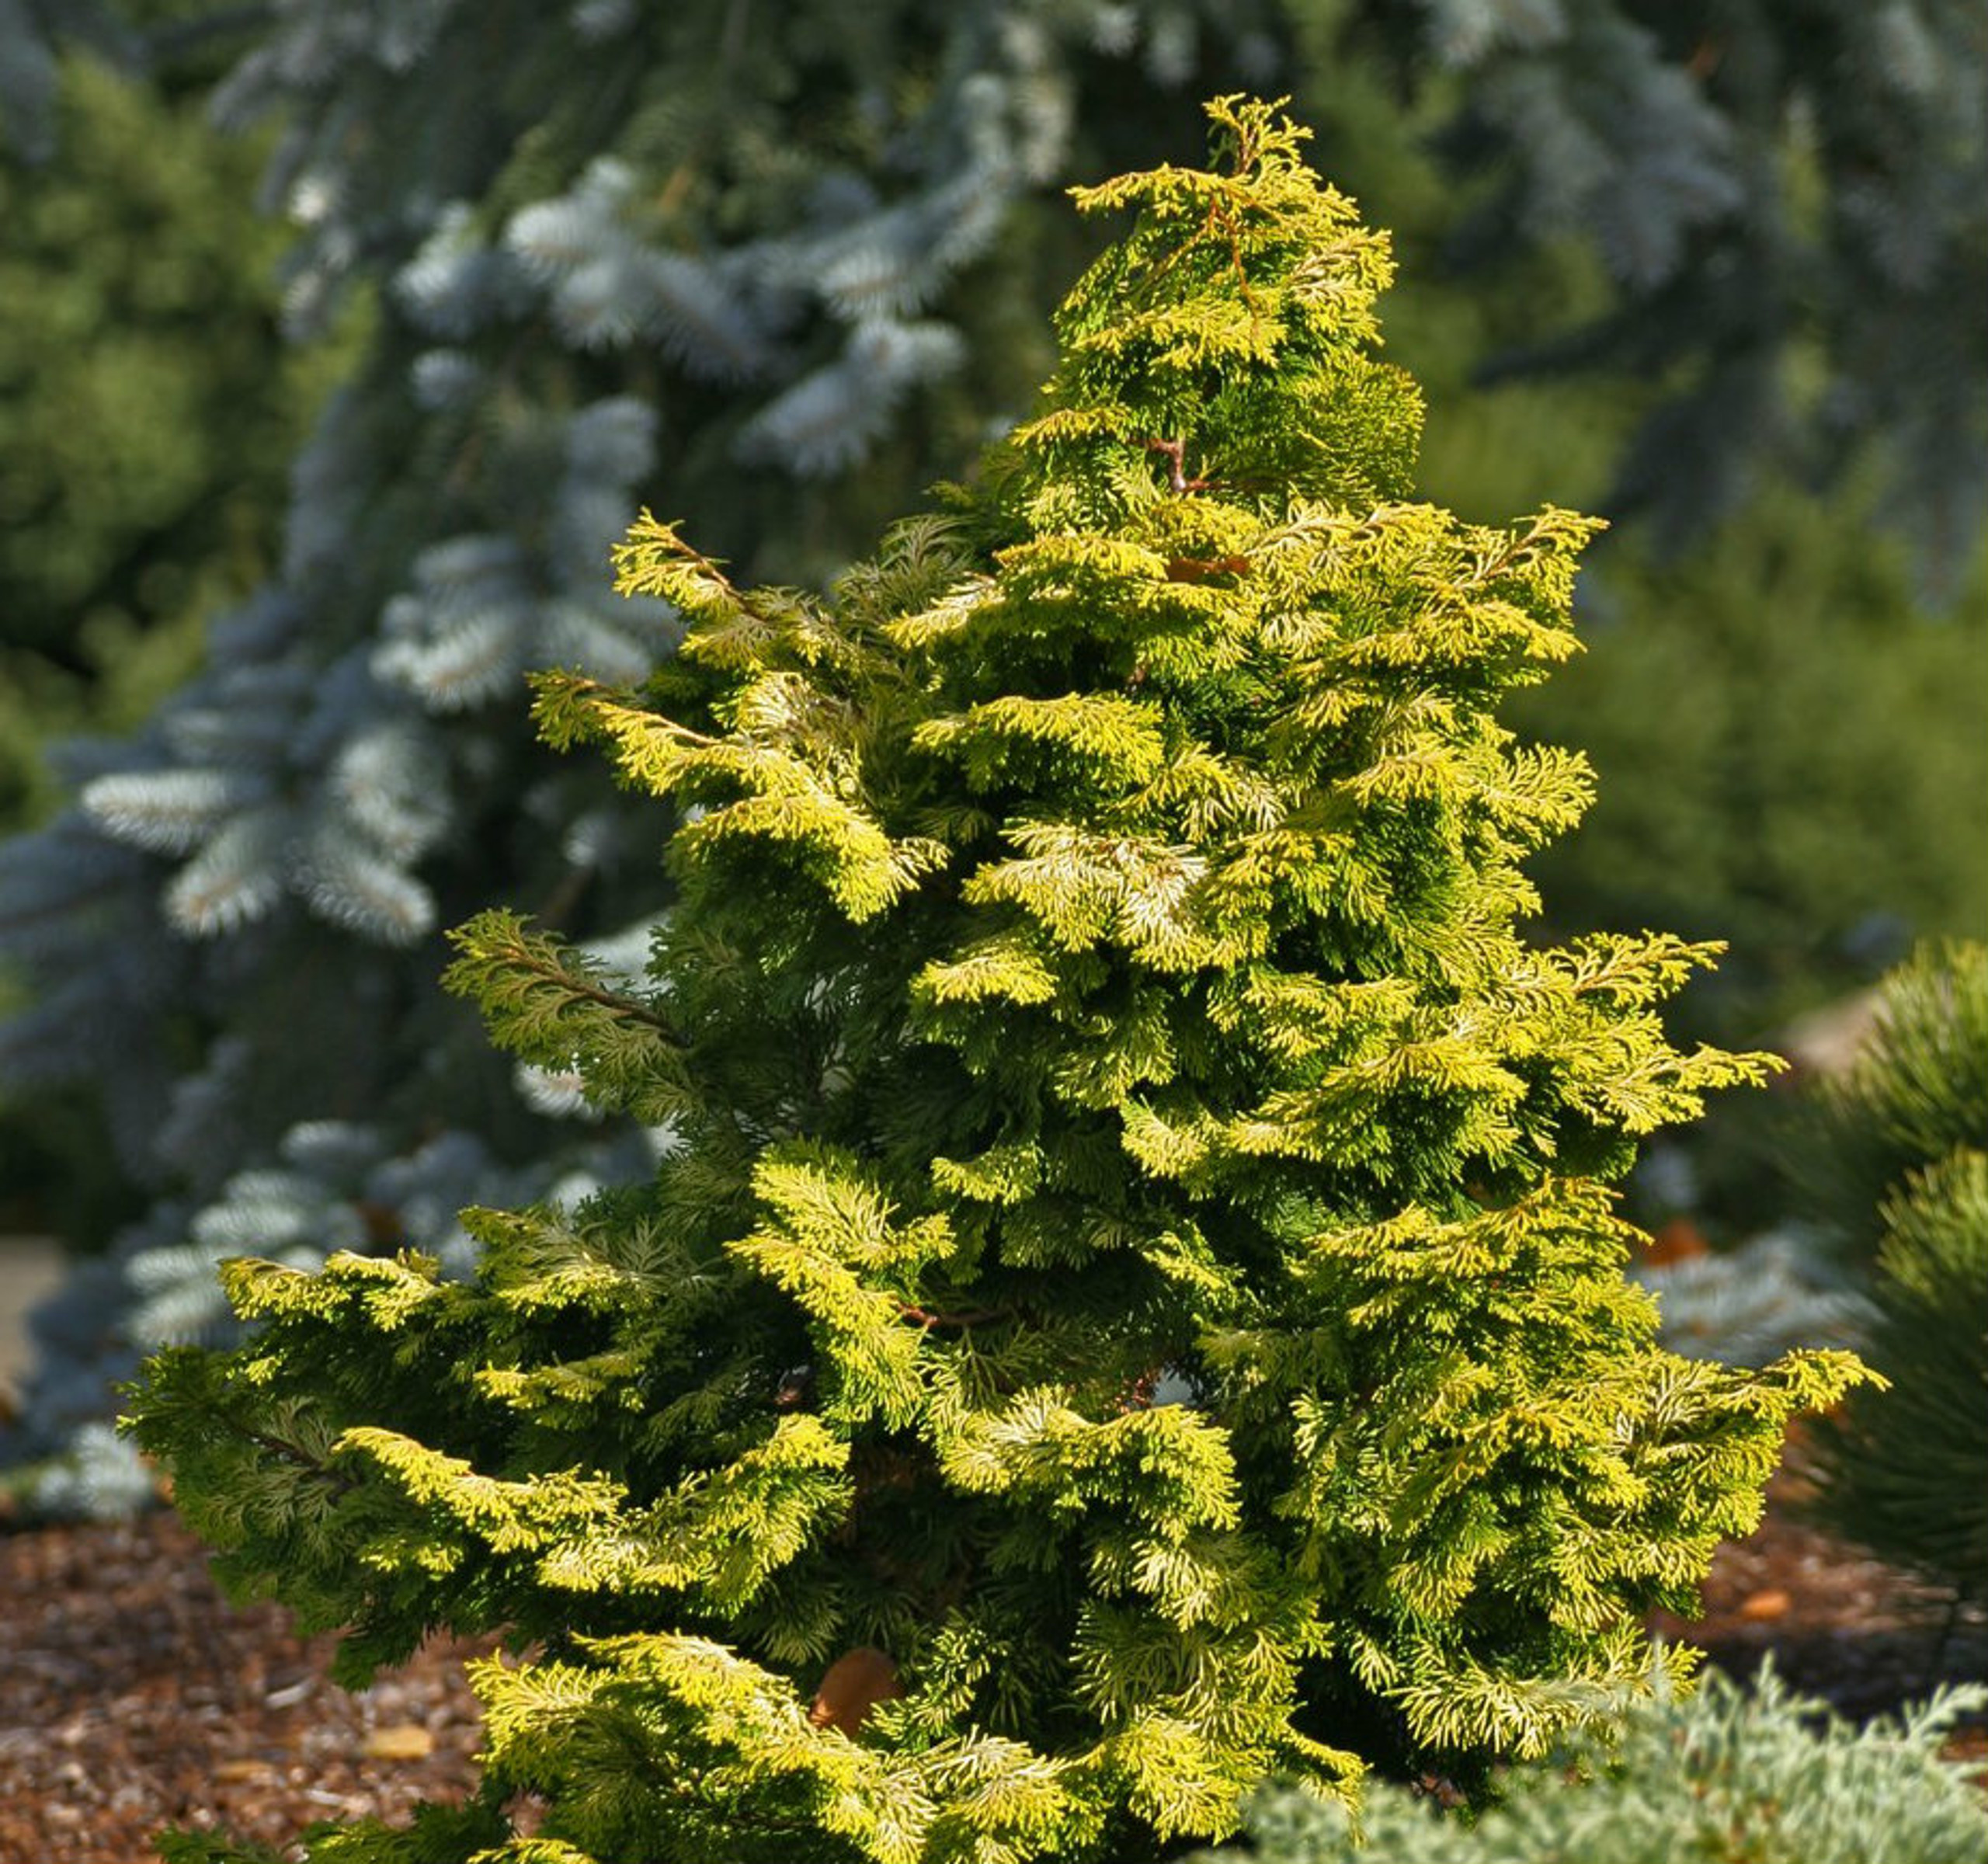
column 132, row 1696
column 1837, row 1624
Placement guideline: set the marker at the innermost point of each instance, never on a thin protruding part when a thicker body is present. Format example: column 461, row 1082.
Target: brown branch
column 972, row 1316
column 576, row 983
column 1219, row 217
column 1198, row 570
column 295, row 1454
column 1138, row 1395
column 1176, row 477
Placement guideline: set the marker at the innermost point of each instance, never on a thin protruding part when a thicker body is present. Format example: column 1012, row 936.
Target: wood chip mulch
column 1838, row 1624
column 132, row 1696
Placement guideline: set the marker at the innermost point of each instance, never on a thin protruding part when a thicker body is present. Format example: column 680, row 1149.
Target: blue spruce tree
column 709, row 259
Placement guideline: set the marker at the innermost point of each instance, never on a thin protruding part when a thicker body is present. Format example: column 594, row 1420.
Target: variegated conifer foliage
column 1134, row 1250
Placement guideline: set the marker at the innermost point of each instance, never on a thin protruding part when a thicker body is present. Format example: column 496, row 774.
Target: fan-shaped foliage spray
column 1131, row 1303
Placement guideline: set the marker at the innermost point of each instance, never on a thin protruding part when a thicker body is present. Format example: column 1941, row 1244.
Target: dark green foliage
column 147, row 414
column 147, row 409
column 1132, row 1260
column 1789, row 754
column 1917, row 1093
column 1725, row 1775
column 1905, row 1471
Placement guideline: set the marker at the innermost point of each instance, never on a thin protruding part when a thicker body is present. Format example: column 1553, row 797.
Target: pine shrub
column 1130, row 1301
column 1904, row 1472
column 1916, row 1093
column 1726, row 1775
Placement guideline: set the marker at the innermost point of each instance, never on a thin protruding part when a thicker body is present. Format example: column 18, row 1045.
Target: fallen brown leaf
column 856, row 1681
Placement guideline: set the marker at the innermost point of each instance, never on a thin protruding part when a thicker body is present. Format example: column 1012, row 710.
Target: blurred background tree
column 773, row 275
column 149, row 409
column 715, row 261
column 1894, row 1166
column 1699, row 264
column 1785, row 205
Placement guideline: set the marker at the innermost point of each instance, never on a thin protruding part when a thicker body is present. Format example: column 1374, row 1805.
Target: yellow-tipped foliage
column 1132, row 1262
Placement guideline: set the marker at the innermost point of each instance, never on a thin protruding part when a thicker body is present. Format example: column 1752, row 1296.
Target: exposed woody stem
column 972, row 1316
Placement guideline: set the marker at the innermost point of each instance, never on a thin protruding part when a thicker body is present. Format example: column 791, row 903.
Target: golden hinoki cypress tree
column 1131, row 1304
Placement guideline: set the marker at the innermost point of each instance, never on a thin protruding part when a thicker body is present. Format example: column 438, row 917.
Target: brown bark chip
column 132, row 1696
column 1839, row 1624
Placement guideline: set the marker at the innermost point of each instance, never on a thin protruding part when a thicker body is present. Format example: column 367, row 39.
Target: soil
column 132, row 1696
